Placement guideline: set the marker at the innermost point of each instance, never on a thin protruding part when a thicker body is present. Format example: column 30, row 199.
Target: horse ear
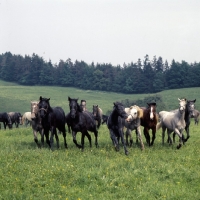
column 40, row 98
column 48, row 99
column 194, row 100
column 69, row 98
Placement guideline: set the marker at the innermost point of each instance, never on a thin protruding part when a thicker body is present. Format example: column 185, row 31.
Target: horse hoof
column 179, row 146
column 126, row 153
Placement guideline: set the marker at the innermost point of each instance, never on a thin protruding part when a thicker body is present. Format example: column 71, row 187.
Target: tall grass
column 158, row 172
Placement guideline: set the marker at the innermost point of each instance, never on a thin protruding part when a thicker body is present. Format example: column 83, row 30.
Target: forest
column 143, row 76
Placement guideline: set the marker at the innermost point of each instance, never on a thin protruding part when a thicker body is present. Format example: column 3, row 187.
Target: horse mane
column 139, row 110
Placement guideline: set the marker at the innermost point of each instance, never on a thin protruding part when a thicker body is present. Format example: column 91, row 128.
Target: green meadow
column 158, row 172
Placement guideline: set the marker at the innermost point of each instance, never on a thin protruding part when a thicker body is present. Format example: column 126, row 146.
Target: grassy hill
column 15, row 97
column 158, row 172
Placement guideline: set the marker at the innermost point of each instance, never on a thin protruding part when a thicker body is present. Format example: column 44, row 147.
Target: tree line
column 143, row 76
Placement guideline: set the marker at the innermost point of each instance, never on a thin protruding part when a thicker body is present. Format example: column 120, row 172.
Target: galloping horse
column 196, row 115
column 149, row 121
column 16, row 118
column 52, row 118
column 189, row 112
column 26, row 118
column 115, row 125
column 173, row 122
column 133, row 122
column 81, row 121
column 37, row 124
column 97, row 112
column 5, row 118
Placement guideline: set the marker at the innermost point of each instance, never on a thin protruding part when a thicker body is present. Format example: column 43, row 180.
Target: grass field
column 158, row 172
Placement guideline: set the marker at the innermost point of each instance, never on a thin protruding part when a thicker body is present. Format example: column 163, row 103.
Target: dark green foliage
column 143, row 77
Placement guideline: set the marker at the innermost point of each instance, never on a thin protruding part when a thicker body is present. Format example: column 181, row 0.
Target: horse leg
column 42, row 137
column 179, row 133
column 121, row 133
column 4, row 123
column 83, row 139
column 138, row 130
column 169, row 137
column 188, row 132
column 147, row 136
column 74, row 139
column 96, row 138
column 127, row 133
column 46, row 133
column 89, row 138
column 131, row 138
column 153, row 136
column 98, row 123
column 57, row 138
column 114, row 140
column 36, row 139
column 64, row 136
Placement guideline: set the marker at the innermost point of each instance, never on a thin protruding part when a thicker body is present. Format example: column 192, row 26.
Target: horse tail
column 158, row 126
column 23, row 118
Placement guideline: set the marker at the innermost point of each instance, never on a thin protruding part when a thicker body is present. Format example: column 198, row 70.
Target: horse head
column 190, row 106
column 73, row 106
column 34, row 109
column 19, row 117
column 152, row 110
column 43, row 106
column 182, row 105
column 95, row 110
column 134, row 112
column 120, row 109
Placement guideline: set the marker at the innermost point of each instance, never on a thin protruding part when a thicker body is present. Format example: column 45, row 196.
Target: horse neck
column 187, row 113
column 181, row 115
column 114, row 116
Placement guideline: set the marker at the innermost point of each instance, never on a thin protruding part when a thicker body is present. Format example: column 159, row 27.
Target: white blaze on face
column 132, row 115
column 151, row 113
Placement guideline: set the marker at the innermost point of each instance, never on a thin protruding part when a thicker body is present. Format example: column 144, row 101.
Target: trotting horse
column 173, row 122
column 52, row 118
column 97, row 112
column 5, row 118
column 196, row 115
column 37, row 124
column 26, row 118
column 16, row 118
column 133, row 122
column 115, row 125
column 149, row 121
column 189, row 112
column 81, row 121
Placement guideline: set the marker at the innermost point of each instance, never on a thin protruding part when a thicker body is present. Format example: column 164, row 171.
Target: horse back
column 57, row 117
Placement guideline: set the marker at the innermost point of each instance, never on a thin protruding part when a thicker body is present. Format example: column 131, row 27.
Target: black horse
column 16, row 118
column 5, row 118
column 104, row 119
column 52, row 118
column 81, row 121
column 115, row 125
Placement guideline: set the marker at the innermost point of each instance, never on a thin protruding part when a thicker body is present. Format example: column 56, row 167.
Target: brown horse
column 149, row 121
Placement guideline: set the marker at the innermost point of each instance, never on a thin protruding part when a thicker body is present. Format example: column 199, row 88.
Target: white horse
column 173, row 122
column 26, row 118
column 133, row 123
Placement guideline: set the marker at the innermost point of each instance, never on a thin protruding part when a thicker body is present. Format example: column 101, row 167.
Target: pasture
column 158, row 172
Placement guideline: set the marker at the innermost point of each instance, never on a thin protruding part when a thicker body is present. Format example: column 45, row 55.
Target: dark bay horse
column 37, row 124
column 52, row 118
column 149, row 121
column 5, row 118
column 115, row 125
column 16, row 118
column 97, row 112
column 81, row 121
column 104, row 119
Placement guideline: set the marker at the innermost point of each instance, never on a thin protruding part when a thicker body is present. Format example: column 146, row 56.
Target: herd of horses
column 47, row 120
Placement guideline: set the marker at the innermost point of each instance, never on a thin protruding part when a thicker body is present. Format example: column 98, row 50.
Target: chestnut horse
column 149, row 121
